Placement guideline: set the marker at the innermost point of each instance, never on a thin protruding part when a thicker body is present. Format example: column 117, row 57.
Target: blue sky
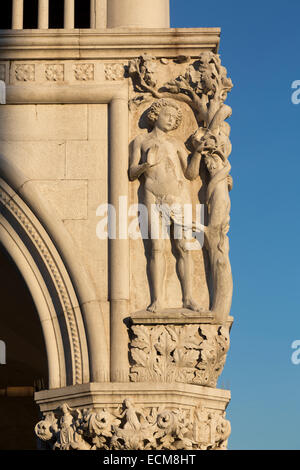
column 260, row 45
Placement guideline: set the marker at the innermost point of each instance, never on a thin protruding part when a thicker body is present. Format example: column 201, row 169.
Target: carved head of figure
column 214, row 163
column 43, row 430
column 46, row 428
column 165, row 114
column 128, row 403
column 65, row 409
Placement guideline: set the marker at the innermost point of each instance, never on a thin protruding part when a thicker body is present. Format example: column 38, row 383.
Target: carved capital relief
column 192, row 354
column 130, row 427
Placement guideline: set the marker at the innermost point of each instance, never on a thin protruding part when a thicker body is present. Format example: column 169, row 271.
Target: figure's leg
column 185, row 267
column 157, row 274
column 158, row 259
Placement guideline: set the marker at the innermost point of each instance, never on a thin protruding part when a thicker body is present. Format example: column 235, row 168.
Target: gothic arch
column 69, row 311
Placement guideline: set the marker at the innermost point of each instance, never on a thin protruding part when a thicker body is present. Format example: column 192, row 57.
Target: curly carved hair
column 157, row 106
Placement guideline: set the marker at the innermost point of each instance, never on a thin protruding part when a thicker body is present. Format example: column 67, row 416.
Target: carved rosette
column 84, row 72
column 132, row 428
column 193, row 354
column 54, row 72
column 25, row 73
column 114, row 72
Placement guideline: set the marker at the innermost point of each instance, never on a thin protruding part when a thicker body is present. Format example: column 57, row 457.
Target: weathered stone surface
column 138, row 14
column 68, row 198
column 41, row 160
column 43, row 122
column 97, row 122
column 86, row 160
column 94, row 252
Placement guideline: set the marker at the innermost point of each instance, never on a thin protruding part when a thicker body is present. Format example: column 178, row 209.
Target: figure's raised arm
column 193, row 168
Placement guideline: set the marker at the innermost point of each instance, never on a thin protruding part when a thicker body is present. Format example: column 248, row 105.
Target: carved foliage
column 203, row 86
column 206, row 84
column 142, row 71
column 213, row 354
column 133, row 428
column 25, row 73
column 84, row 72
column 54, row 72
column 188, row 354
column 114, row 71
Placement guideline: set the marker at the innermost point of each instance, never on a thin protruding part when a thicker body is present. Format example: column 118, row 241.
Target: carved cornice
column 106, row 44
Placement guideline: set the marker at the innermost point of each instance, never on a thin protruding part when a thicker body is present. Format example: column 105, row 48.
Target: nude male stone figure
column 161, row 161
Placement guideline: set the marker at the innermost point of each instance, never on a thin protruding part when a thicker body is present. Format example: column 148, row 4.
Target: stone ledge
column 99, row 395
column 106, row 44
column 178, row 316
column 181, row 316
column 102, row 93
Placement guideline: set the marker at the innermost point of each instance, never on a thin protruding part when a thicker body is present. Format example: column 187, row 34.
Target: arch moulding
column 63, row 294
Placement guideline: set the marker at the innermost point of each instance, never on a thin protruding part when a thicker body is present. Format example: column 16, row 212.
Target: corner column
column 119, row 247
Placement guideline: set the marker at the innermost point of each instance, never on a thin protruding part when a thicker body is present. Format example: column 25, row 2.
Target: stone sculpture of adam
column 161, row 161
